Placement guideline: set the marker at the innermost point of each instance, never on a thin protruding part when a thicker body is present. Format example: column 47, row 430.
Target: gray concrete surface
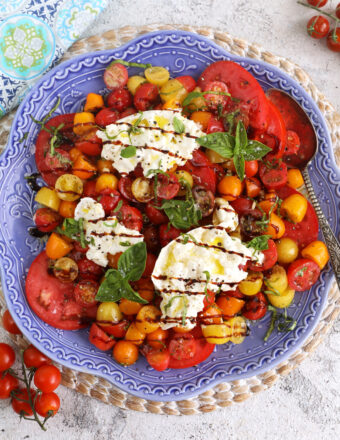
column 306, row 404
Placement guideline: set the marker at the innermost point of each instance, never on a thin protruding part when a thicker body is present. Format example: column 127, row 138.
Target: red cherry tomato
column 117, row 330
column 46, row 219
column 242, row 205
column 214, row 125
column 251, row 168
column 205, row 200
column 151, row 238
column 156, row 216
column 7, row 356
column 109, row 200
column 8, row 383
column 318, row 26
column 182, row 346
column 235, row 293
column 90, row 144
column 124, row 186
column 132, row 217
column 88, row 268
column 127, row 112
column 256, row 307
column 202, row 171
column 293, row 142
column 47, row 378
column 47, row 403
column 115, row 76
column 302, row 274
column 21, row 407
column 273, row 173
column 167, row 233
column 158, row 359
column 253, row 187
column 209, row 299
column 333, row 40
column 188, row 82
column 270, row 258
column 9, row 324
column 167, row 186
column 212, row 100
column 318, row 3
column 100, row 339
column 119, row 99
column 145, row 96
column 106, row 116
column 90, row 189
column 34, row 358
column 85, row 293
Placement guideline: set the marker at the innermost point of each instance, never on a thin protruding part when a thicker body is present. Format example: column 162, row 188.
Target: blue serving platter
column 183, row 53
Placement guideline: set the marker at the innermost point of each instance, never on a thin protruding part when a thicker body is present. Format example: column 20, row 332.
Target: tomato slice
column 50, row 170
column 202, row 352
column 158, row 359
column 167, row 186
column 182, row 346
column 243, row 86
column 302, row 274
column 273, row 173
column 306, row 231
column 132, row 217
column 52, row 300
column 202, row 170
column 100, row 339
column 296, row 120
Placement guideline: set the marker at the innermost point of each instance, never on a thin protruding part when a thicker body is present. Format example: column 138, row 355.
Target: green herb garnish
column 128, row 152
column 74, row 229
column 259, row 243
column 282, row 322
column 179, row 126
column 194, row 95
column 130, row 64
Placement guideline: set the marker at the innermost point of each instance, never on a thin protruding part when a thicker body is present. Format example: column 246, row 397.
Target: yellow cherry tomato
column 295, row 179
column 173, row 89
column 147, row 319
column 252, row 284
column 48, row 197
column 134, row 335
column 106, row 181
column 83, row 123
column 108, row 313
column 187, row 177
column 157, row 75
column 134, row 82
column 237, row 329
column 318, row 252
column 287, row 250
column 69, row 187
column 294, row 207
column 216, row 333
column 277, row 281
column 283, row 300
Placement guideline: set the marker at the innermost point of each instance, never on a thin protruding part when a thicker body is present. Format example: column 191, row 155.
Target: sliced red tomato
column 132, row 217
column 302, row 274
column 306, row 231
column 270, row 258
column 182, row 346
column 273, row 172
column 243, row 86
column 167, row 186
column 51, row 170
column 202, row 170
column 202, row 352
column 296, row 120
column 52, row 300
column 158, row 359
column 100, row 339
column 188, row 82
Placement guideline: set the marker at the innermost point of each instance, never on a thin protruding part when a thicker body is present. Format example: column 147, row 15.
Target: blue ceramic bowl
column 182, row 53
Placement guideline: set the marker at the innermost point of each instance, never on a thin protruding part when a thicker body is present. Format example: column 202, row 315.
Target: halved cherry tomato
column 145, row 96
column 214, row 125
column 212, row 100
column 256, row 307
column 251, row 167
column 270, row 258
column 100, row 339
column 52, row 300
column 167, row 186
column 242, row 205
column 85, row 293
column 119, row 99
column 182, row 346
column 90, row 189
column 202, row 170
column 158, row 358
column 117, row 330
column 293, row 142
column 106, row 116
column 89, row 269
column 156, row 216
column 132, row 218
column 302, row 274
column 230, row 305
column 209, row 299
column 46, row 219
column 205, row 200
column 124, row 186
column 273, row 173
column 115, row 76
column 167, row 233
column 151, row 238
column 90, row 144
column 109, row 200
column 253, row 187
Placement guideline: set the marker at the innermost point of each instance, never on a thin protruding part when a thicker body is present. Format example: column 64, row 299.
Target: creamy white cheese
column 207, row 258
column 108, row 236
column 156, row 141
column 89, row 209
column 225, row 214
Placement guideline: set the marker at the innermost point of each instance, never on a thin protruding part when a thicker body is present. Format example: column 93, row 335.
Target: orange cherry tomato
column 253, row 187
column 202, row 118
column 125, row 352
column 129, row 307
column 83, row 168
column 66, row 209
column 230, row 305
column 230, row 187
column 276, row 227
column 318, row 252
column 57, row 247
column 157, row 338
column 295, row 179
column 212, row 315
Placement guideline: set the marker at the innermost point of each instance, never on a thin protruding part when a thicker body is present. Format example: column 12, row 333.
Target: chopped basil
column 130, row 64
column 74, row 229
column 259, row 243
column 282, row 322
column 128, row 152
column 179, row 127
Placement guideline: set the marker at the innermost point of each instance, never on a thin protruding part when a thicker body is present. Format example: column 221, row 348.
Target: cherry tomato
column 293, row 142
column 8, row 383
column 100, row 339
column 115, row 76
column 124, row 186
column 209, row 299
column 106, row 116
column 158, row 359
column 125, row 352
column 168, row 233
column 109, row 201
column 251, row 168
column 202, row 171
column 333, row 40
column 188, row 82
column 9, row 324
column 302, row 274
column 145, row 96
column 156, row 216
column 127, row 112
column 250, row 224
column 149, row 265
column 270, row 258
column 90, row 144
column 273, row 173
column 318, row 26
column 214, row 125
column 89, row 269
column 151, row 238
column 132, row 218
column 117, row 330
column 47, row 378
column 47, row 403
column 7, row 356
column 182, row 346
column 256, row 307
column 157, row 338
column 21, row 407
column 46, row 219
column 318, row 3
column 242, row 205
column 253, row 187
column 119, row 99
column 34, row 358
column 167, row 186
column 205, row 199
column 90, row 189
column 85, row 293
column 214, row 101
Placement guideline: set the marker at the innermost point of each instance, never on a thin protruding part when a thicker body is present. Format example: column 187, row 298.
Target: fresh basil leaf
column 110, row 288
column 239, row 165
column 179, row 127
column 182, row 214
column 190, row 97
column 259, row 243
column 74, row 229
column 241, row 137
column 130, row 294
column 221, row 143
column 255, row 150
column 131, row 263
column 128, row 152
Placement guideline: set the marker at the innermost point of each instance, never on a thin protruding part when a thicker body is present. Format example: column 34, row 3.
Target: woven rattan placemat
column 226, row 393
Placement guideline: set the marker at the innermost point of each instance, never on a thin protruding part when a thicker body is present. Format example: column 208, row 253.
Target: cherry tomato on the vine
column 9, row 324
column 8, row 383
column 333, row 40
column 21, row 407
column 7, row 356
column 47, row 403
column 47, row 378
column 34, row 358
column 318, row 26
column 318, row 3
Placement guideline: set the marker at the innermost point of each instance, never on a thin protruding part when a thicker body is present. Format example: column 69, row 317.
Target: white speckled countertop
column 306, row 404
